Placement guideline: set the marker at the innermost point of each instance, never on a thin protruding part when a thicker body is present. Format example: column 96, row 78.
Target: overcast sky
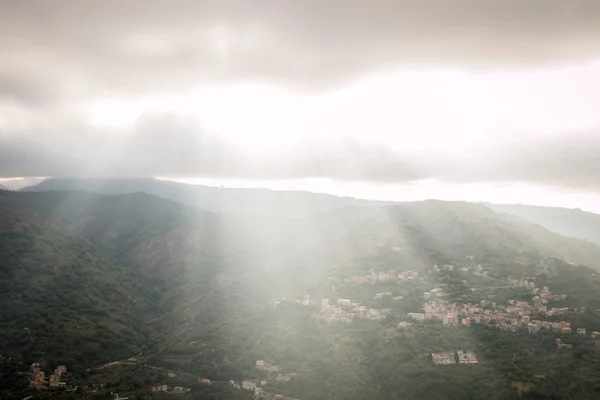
column 381, row 93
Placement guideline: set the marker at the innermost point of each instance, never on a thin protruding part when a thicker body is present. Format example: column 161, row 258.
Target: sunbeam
column 309, row 200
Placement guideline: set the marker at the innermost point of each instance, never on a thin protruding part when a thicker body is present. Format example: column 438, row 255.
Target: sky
column 453, row 99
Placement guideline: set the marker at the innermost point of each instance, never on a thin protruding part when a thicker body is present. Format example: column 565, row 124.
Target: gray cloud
column 569, row 160
column 18, row 89
column 57, row 53
column 170, row 144
column 88, row 47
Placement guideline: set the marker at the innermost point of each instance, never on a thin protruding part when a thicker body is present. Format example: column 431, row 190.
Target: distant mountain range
column 567, row 222
column 209, row 198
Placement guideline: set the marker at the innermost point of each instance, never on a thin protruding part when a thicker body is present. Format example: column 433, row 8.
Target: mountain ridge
column 259, row 201
column 299, row 204
column 568, row 222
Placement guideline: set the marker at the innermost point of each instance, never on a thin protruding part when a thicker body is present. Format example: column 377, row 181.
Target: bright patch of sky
column 433, row 111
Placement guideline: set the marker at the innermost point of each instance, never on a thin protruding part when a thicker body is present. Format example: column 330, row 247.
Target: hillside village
column 513, row 315
column 56, row 380
column 533, row 316
column 259, row 387
column 539, row 313
column 454, row 357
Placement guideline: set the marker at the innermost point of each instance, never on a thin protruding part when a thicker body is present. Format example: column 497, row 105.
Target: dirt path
column 127, row 361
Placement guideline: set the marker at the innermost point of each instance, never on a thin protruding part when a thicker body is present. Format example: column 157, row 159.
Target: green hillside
column 92, row 278
column 445, row 232
column 63, row 300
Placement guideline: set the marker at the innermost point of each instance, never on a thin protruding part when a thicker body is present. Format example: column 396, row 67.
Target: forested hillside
column 92, row 278
column 64, row 300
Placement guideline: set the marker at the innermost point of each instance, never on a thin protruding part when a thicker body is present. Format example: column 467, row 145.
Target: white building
column 344, row 302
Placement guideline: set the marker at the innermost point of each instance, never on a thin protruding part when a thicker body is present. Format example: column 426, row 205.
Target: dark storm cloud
column 151, row 45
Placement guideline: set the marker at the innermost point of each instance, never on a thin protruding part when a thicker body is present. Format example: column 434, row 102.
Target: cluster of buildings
column 258, row 386
column 561, row 345
column 305, row 301
column 404, row 325
column 254, row 385
column 387, row 295
column 53, row 381
column 515, row 314
column 521, row 283
column 285, row 377
column 466, row 357
column 454, row 357
column 345, row 310
column 542, row 295
column 562, row 327
column 435, row 292
column 376, row 277
column 442, row 310
column 175, row 389
column 444, row 358
column 477, row 270
column 437, row 269
column 264, row 366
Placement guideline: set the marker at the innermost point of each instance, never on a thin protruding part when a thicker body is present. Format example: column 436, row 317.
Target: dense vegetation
column 62, row 300
column 88, row 279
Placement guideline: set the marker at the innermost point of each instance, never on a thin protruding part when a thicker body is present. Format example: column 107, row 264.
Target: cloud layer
column 57, row 55
column 69, row 48
column 175, row 145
